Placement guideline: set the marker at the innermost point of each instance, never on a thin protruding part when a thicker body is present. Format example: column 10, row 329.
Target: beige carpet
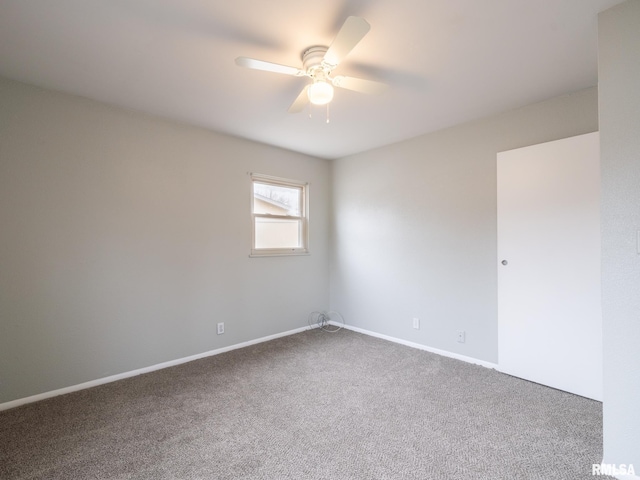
column 309, row 406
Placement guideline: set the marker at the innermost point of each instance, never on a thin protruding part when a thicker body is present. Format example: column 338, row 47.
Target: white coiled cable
column 323, row 321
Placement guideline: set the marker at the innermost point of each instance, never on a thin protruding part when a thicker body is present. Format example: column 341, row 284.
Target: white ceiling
column 446, row 61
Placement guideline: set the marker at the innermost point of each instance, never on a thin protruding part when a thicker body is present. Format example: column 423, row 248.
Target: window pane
column 276, row 200
column 277, row 233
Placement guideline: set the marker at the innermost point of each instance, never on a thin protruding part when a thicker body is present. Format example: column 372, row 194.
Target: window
column 279, row 216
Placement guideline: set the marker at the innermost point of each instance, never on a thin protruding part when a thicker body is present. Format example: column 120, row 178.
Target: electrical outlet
column 416, row 323
column 461, row 336
column 220, row 328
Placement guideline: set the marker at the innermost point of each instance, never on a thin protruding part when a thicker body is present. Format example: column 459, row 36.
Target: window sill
column 273, row 253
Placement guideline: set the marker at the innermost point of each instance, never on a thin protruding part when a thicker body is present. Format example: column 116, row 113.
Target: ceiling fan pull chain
column 328, row 113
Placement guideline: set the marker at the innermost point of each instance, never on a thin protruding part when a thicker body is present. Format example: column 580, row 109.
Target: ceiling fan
column 318, row 63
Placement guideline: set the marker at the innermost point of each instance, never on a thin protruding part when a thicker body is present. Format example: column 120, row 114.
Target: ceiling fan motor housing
column 312, row 60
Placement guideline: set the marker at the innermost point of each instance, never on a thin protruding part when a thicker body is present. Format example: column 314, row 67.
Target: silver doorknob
column 504, row 262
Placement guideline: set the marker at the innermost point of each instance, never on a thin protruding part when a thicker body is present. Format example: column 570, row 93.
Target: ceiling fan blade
column 359, row 85
column 299, row 103
column 352, row 31
column 268, row 66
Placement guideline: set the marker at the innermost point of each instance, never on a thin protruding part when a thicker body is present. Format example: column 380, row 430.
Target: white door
column 549, row 305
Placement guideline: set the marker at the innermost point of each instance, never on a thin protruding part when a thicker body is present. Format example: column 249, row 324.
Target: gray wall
column 619, row 84
column 415, row 226
column 124, row 239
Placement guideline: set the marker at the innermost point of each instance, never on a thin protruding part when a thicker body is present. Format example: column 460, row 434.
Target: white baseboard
column 140, row 371
column 407, row 343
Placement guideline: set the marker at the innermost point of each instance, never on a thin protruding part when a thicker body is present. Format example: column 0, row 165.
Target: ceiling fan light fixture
column 320, row 92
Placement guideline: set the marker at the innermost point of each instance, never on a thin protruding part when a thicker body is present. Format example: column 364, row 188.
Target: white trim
column 419, row 346
column 258, row 255
column 285, row 182
column 140, row 371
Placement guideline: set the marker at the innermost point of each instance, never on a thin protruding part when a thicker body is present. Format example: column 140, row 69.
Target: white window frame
column 303, row 218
